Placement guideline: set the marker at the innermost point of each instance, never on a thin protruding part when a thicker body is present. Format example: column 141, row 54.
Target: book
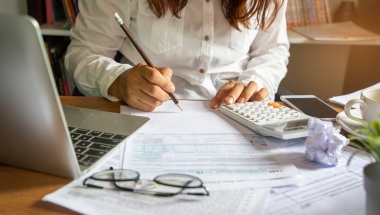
column 290, row 14
column 58, row 11
column 65, row 85
column 307, row 13
column 321, row 10
column 69, row 17
column 72, row 10
column 57, row 49
column 76, row 7
column 300, row 13
column 327, row 9
column 36, row 9
column 49, row 12
column 339, row 31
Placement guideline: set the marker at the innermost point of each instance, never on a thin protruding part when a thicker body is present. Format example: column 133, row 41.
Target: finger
column 260, row 95
column 166, row 72
column 155, row 77
column 138, row 104
column 138, row 93
column 154, row 91
column 234, row 93
column 247, row 93
column 221, row 95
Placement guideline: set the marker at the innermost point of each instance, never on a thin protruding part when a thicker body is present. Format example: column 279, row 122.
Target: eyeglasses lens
column 118, row 175
column 179, row 180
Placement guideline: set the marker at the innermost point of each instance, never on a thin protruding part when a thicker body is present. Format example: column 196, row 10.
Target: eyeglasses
column 163, row 185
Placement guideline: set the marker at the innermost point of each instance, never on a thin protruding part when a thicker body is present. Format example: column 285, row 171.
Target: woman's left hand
column 234, row 91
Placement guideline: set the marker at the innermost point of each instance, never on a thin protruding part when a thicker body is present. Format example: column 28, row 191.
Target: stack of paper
column 327, row 189
column 342, row 100
column 244, row 171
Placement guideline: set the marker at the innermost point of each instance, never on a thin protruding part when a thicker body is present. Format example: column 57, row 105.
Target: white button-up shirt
column 202, row 48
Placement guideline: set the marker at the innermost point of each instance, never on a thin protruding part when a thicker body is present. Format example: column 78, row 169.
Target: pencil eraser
column 118, row 19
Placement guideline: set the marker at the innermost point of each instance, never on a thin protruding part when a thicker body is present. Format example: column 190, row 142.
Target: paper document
column 342, row 100
column 208, row 156
column 204, row 142
column 196, row 117
column 327, row 190
column 102, row 201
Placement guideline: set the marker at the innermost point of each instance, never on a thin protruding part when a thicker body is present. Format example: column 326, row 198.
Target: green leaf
column 352, row 156
column 371, row 140
column 376, row 127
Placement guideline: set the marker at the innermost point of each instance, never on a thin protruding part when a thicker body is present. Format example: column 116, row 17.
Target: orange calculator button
column 274, row 104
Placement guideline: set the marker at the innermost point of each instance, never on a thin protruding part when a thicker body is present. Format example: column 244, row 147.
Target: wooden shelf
column 294, row 38
column 54, row 30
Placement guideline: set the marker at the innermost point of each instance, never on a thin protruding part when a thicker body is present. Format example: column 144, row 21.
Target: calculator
column 269, row 118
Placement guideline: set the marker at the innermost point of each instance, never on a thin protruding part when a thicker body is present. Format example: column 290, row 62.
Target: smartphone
column 310, row 105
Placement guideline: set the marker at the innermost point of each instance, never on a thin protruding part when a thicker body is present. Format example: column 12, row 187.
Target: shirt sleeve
column 94, row 44
column 269, row 54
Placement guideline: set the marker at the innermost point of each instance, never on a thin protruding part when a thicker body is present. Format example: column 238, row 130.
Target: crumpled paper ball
column 324, row 143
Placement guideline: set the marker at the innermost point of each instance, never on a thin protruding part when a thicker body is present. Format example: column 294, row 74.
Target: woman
column 225, row 50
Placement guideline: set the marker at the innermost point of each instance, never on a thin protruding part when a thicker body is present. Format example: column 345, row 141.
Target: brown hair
column 236, row 11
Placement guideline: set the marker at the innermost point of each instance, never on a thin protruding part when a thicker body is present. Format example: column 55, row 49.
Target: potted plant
column 370, row 142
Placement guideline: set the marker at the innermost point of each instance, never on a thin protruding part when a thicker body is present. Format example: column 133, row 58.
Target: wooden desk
column 21, row 190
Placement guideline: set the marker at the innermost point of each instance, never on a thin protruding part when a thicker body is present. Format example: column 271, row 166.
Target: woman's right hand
column 143, row 87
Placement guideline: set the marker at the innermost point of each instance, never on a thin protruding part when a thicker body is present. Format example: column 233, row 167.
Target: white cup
column 369, row 106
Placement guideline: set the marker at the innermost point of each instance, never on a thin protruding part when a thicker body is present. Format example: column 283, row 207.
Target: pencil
column 141, row 51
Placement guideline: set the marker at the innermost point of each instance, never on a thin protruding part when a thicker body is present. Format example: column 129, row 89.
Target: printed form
column 208, row 156
column 205, row 143
column 326, row 190
column 104, row 201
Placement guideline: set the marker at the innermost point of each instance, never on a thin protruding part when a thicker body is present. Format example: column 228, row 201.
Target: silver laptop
column 36, row 131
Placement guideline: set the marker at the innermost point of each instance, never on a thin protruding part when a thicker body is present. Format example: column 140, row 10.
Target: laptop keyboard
column 91, row 145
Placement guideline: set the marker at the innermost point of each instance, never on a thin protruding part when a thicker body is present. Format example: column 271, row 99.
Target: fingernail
column 229, row 100
column 171, row 88
column 167, row 77
column 214, row 105
column 241, row 100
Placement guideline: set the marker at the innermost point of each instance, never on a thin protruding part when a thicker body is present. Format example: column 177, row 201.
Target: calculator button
column 295, row 114
column 230, row 107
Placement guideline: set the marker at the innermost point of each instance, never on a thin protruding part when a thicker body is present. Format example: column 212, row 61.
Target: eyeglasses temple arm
column 94, row 186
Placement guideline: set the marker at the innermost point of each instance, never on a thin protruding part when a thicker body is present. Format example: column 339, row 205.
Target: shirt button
column 207, row 38
column 202, row 71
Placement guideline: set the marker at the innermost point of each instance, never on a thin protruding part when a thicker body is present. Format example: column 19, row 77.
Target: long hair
column 236, row 11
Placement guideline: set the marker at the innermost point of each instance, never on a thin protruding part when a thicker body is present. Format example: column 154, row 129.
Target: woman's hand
column 236, row 91
column 143, row 87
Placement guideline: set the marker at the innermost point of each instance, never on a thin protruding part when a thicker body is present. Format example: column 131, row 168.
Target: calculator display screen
column 288, row 126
